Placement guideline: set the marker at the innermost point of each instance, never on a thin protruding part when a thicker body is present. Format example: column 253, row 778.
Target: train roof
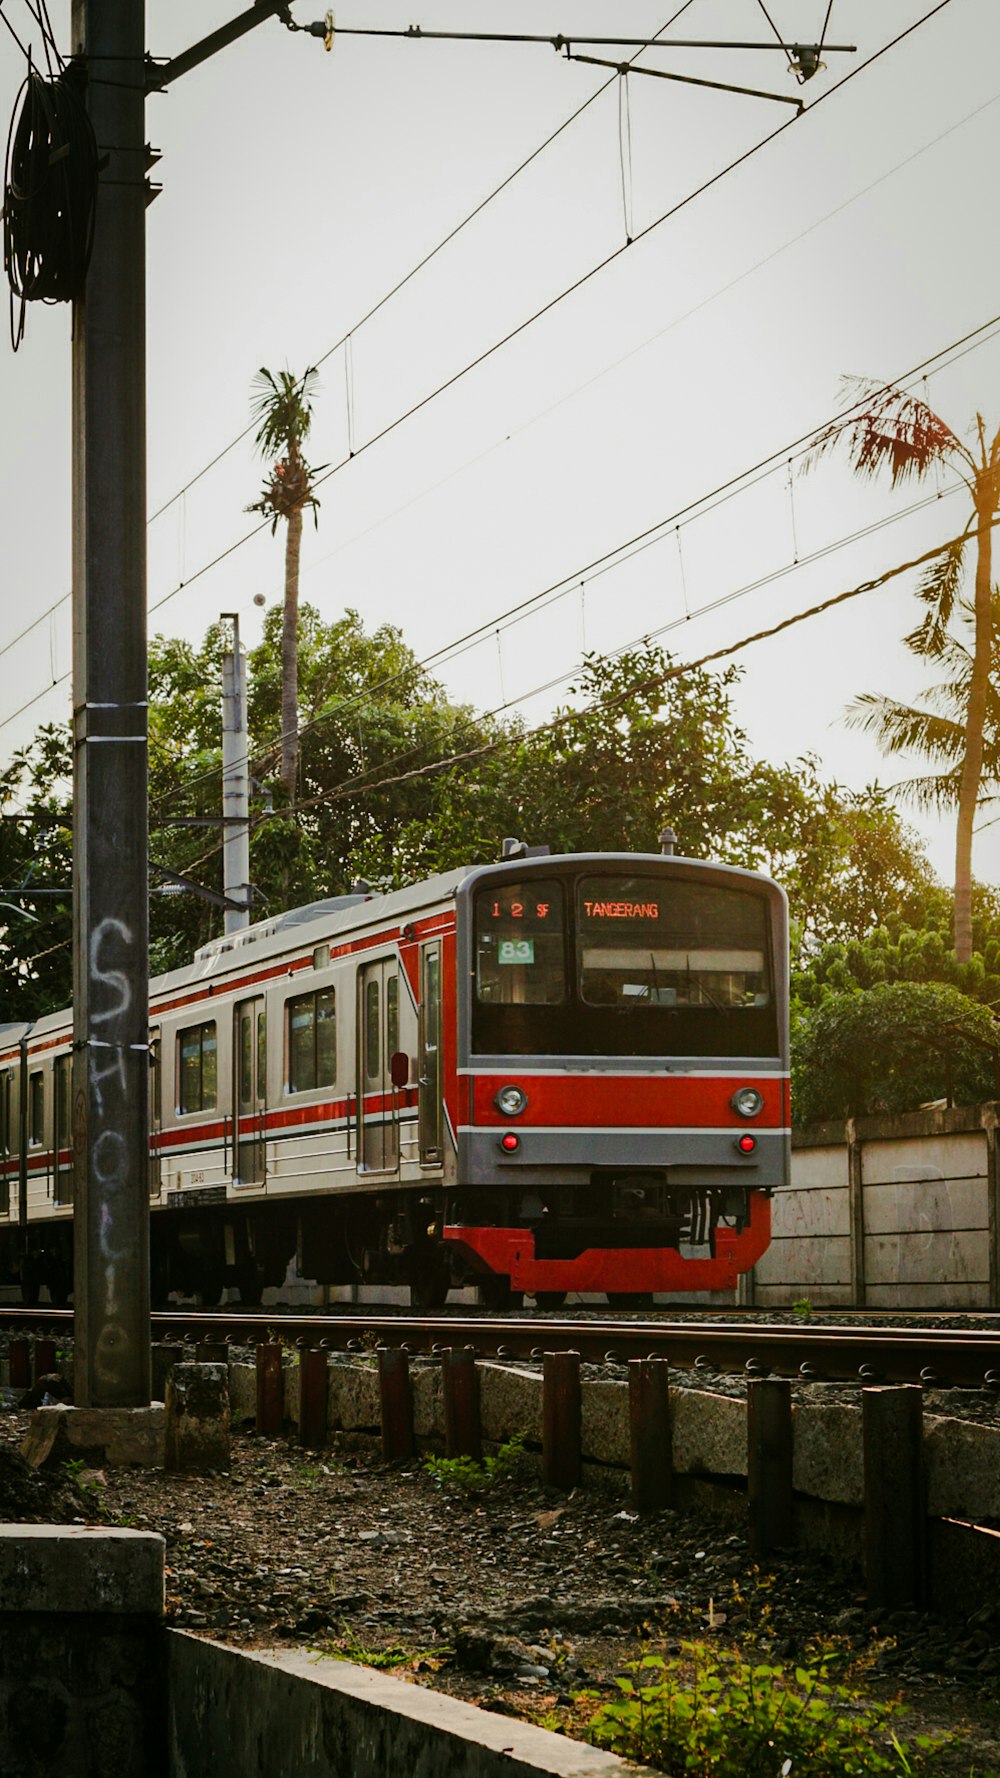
column 337, row 916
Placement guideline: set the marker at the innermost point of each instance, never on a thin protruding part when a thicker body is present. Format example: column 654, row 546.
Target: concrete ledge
column 80, row 1568
column 114, row 1436
column 295, row 1715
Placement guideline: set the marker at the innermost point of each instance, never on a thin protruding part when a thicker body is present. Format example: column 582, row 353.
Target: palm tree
column 896, row 432
column 937, row 727
column 282, row 412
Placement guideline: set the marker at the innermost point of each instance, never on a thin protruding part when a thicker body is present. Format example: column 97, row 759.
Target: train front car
column 623, row 1074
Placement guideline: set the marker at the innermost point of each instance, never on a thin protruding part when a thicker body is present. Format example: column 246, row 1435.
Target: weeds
column 707, row 1713
column 802, row 1308
column 463, row 1475
column 349, row 1647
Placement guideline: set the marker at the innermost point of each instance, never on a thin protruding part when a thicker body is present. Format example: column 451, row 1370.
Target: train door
column 155, row 1113
column 250, row 1092
column 378, row 1025
column 6, row 1137
column 429, row 1079
column 62, row 1131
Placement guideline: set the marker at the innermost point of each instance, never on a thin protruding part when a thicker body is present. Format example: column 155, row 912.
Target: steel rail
column 961, row 1357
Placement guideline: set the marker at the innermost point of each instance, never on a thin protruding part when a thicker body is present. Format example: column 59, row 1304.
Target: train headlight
column 511, row 1101
column 747, row 1101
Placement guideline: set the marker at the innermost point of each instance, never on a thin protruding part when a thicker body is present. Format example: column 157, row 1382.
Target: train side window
column 312, row 1041
column 36, row 1109
column 198, row 1068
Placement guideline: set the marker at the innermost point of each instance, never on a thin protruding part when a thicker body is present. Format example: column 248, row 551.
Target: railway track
column 960, row 1358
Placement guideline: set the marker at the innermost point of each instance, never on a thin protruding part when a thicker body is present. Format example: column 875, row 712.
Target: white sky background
column 298, row 187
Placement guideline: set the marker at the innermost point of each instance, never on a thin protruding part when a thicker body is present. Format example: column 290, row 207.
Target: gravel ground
column 513, row 1599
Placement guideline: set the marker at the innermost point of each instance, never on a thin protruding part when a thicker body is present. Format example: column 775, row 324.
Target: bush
column 708, row 1713
column 892, row 1047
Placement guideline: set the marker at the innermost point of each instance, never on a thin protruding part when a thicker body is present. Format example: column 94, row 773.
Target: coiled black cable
column 50, row 195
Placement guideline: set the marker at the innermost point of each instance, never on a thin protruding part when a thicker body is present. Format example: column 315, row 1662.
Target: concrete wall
column 892, row 1212
column 281, row 1714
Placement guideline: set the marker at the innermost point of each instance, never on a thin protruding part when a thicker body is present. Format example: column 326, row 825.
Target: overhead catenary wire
column 425, row 259
column 701, row 506
column 357, row 449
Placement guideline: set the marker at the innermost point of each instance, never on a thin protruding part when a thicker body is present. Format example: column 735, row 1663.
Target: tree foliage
column 893, row 1047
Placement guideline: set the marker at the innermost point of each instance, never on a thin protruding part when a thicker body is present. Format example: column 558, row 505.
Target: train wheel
column 429, row 1275
column 31, row 1283
column 210, row 1284
column 496, row 1293
column 550, row 1299
column 630, row 1299
column 251, row 1286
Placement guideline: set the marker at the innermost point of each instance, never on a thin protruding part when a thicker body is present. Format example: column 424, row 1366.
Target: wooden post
column 892, row 1434
column 769, row 1463
column 45, row 1358
column 649, row 1433
column 462, row 1431
column 20, row 1364
column 396, row 1404
column 561, row 1420
column 270, row 1415
column 312, row 1398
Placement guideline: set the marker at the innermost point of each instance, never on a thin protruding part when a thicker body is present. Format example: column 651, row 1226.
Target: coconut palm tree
column 936, row 727
column 889, row 430
column 282, row 410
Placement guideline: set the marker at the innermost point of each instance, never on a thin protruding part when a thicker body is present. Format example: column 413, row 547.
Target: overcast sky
column 299, row 187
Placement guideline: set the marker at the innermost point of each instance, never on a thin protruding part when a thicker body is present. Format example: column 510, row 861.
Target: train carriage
column 553, row 1074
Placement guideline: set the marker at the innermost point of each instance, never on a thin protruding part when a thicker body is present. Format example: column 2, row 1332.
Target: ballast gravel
column 514, row 1598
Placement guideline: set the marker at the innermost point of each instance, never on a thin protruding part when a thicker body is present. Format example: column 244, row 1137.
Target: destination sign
column 622, row 910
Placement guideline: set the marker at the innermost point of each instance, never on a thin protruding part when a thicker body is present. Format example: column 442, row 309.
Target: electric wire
column 506, row 339
column 698, row 508
column 425, row 261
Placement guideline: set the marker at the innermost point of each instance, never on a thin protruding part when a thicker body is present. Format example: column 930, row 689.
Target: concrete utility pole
column 235, row 783
column 110, row 918
column 110, row 785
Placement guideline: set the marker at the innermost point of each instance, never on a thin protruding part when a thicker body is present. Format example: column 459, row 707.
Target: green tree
column 282, row 411
column 895, row 432
column 892, row 1047
column 36, row 853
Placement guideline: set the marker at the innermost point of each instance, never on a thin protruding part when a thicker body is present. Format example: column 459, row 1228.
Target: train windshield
column 644, row 942
column 613, row 963
column 521, row 946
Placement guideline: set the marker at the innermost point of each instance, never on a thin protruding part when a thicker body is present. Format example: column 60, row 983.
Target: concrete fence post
column 270, row 1408
column 462, row 1427
column 396, row 1404
column 561, row 1420
column 856, row 1211
column 895, row 1517
column 649, row 1433
column 312, row 1398
column 45, row 1358
column 769, row 1463
column 197, row 1417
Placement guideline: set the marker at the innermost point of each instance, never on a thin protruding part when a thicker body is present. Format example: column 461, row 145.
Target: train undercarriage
column 622, row 1236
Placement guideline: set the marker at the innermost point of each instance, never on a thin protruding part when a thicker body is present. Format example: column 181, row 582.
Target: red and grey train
column 553, row 1074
